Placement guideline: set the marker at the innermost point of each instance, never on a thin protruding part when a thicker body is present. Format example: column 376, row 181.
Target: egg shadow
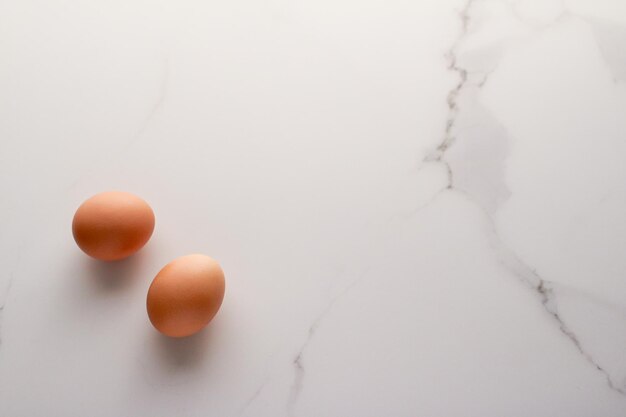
column 114, row 276
column 182, row 353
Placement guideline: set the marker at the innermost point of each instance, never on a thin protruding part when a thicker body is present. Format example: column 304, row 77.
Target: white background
column 419, row 206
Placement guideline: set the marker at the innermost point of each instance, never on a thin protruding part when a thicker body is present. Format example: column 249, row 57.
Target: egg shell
column 185, row 295
column 112, row 225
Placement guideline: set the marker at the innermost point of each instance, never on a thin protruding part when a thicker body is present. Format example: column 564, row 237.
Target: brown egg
column 112, row 225
column 185, row 295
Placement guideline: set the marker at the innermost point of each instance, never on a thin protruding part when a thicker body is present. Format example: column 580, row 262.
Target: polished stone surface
column 419, row 206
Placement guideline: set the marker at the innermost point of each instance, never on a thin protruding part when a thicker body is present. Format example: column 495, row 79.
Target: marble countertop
column 419, row 206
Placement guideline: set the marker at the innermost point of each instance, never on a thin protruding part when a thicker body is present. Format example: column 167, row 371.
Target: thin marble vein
column 159, row 100
column 452, row 98
column 544, row 288
column 6, row 293
column 547, row 292
column 299, row 370
column 253, row 397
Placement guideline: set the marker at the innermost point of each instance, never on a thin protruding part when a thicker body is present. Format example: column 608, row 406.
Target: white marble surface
column 419, row 206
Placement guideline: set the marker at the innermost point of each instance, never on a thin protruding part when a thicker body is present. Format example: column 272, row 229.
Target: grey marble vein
column 253, row 397
column 152, row 112
column 7, row 289
column 547, row 291
column 452, row 99
column 543, row 288
column 158, row 103
column 299, row 370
